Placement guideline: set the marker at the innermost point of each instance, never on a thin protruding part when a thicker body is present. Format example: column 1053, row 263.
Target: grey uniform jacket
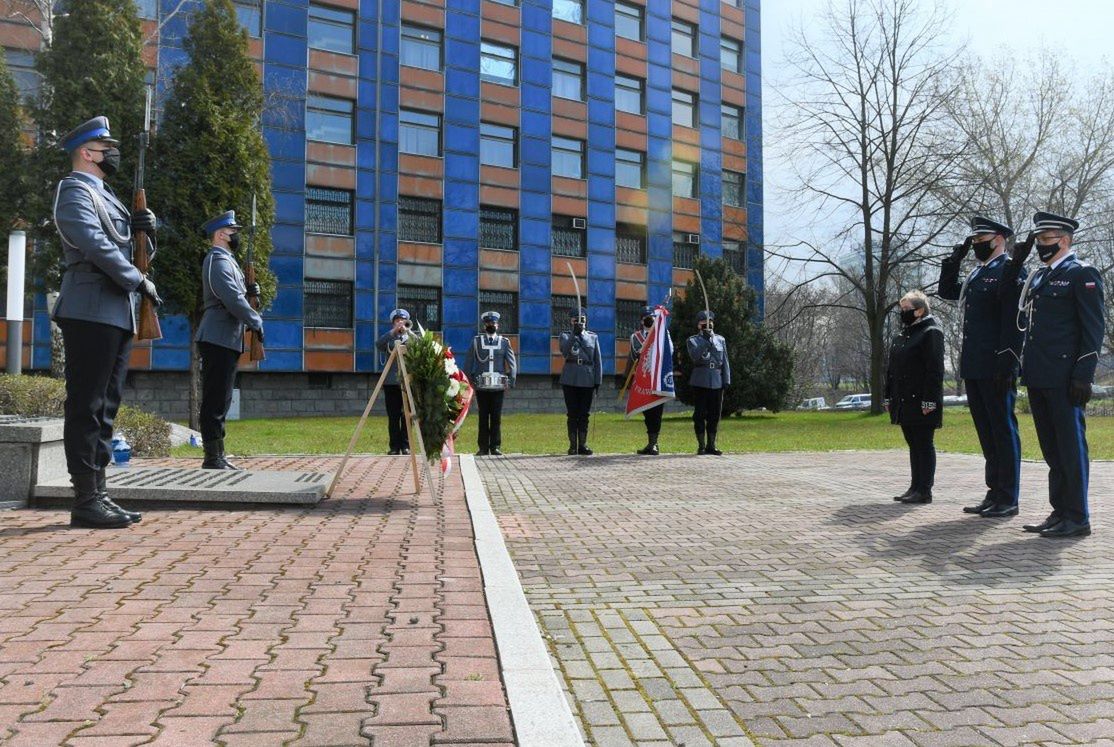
column 100, row 278
column 500, row 358
column 583, row 362
column 710, row 367
column 385, row 344
column 227, row 310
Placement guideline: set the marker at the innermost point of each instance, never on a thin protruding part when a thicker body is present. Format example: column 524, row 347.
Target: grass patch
column 545, row 434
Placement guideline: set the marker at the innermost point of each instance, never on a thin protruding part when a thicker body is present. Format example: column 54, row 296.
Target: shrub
column 31, row 396
column 147, row 434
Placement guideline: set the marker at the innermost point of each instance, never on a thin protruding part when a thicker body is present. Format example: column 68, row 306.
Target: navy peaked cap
column 708, row 316
column 647, row 311
column 981, row 224
column 1043, row 221
column 95, row 129
column 575, row 312
column 226, row 219
column 400, row 314
column 490, row 316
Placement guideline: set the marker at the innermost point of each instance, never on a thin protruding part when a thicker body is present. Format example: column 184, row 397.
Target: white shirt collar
column 1061, row 260
column 96, row 180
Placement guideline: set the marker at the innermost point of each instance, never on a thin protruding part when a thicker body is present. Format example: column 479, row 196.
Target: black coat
column 915, row 375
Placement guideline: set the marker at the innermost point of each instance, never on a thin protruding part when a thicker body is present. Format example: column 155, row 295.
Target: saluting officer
column 96, row 313
column 989, row 357
column 711, row 374
column 492, row 370
column 580, row 378
column 220, row 336
column 1064, row 333
column 652, row 416
column 392, row 384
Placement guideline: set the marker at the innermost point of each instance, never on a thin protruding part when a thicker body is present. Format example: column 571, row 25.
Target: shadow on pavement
column 24, row 531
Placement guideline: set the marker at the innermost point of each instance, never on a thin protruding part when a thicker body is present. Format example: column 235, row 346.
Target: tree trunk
column 195, row 378
column 877, row 363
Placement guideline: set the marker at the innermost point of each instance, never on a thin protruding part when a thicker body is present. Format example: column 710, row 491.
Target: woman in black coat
column 915, row 389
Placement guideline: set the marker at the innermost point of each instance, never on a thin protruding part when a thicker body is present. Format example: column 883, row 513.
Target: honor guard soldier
column 581, row 376
column 493, row 370
column 989, row 357
column 96, row 312
column 220, row 336
column 711, row 374
column 652, row 416
column 1062, row 312
column 392, row 384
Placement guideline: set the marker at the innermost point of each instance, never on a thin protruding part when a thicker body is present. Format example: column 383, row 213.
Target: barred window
column 498, row 228
column 684, row 253
column 328, row 303
column 329, row 211
column 736, row 256
column 504, row 302
column 733, row 182
column 423, row 303
column 628, row 316
column 630, row 244
column 567, row 241
column 419, row 220
column 560, row 307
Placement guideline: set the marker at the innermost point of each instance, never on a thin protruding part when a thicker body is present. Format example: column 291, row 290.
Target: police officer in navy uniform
column 392, row 384
column 1062, row 312
column 711, row 374
column 220, row 336
column 491, row 354
column 989, row 357
column 581, row 376
column 96, row 312
column 652, row 416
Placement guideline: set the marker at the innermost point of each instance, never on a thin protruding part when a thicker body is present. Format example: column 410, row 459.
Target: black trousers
column 1062, row 433
column 578, row 406
column 996, row 426
column 707, row 408
column 218, row 376
column 652, row 418
column 922, row 456
column 490, row 404
column 96, row 366
column 396, row 420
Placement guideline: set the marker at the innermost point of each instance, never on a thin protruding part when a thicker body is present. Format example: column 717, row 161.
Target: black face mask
column 983, row 250
column 110, row 161
column 648, row 322
column 1047, row 251
column 908, row 316
column 234, row 241
column 705, row 331
column 577, row 328
column 489, row 328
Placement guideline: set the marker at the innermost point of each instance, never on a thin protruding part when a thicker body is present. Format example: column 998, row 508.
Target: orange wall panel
column 337, row 177
column 430, row 166
column 497, row 259
column 333, row 62
column 569, row 50
column 423, row 80
column 328, row 339
column 569, row 188
column 574, row 207
column 497, row 176
column 342, row 247
column 499, row 196
column 492, row 280
column 331, row 85
column 422, row 254
column 507, row 95
column 330, row 153
column 631, row 273
column 426, row 101
column 574, row 127
column 320, row 360
column 430, row 187
column 423, row 13
column 507, row 14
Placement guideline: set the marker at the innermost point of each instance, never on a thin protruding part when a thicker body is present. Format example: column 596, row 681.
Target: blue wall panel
column 659, row 158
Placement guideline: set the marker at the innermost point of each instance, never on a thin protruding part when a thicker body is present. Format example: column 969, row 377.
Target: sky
column 1081, row 27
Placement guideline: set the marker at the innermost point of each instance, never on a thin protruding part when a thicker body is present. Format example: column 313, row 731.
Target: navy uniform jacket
column 100, row 278
column 1066, row 325
column 583, row 361
column 915, row 375
column 991, row 340
column 385, row 344
column 499, row 360
column 637, row 340
column 710, row 367
column 226, row 308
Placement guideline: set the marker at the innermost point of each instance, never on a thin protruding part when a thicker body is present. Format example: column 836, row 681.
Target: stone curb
column 539, row 709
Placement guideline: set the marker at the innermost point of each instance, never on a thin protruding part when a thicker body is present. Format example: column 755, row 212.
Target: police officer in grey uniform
column 581, row 376
column 651, row 416
column 392, row 385
column 96, row 312
column 711, row 374
column 220, row 336
column 492, row 369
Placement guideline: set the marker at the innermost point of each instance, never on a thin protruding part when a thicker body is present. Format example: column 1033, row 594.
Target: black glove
column 1005, row 382
column 959, row 251
column 252, row 290
column 1079, row 392
column 1021, row 250
column 147, row 289
column 144, row 220
column 259, row 334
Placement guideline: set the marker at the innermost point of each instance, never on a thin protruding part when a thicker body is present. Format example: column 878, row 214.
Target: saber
column 580, row 318
column 255, row 345
column 707, row 306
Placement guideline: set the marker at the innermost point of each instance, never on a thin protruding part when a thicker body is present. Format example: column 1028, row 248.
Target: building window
column 147, row 8
column 736, row 257
column 685, row 182
column 628, row 21
column 512, row 3
column 419, row 133
column 498, row 145
column 568, row 79
column 684, row 38
column 569, row 10
column 498, row 228
column 630, row 244
column 684, row 108
column 733, row 183
column 21, row 64
column 628, row 316
column 629, row 94
column 560, row 307
column 504, row 302
column 567, row 237
column 684, row 251
column 421, row 47
column 329, row 211
column 498, row 63
column 328, row 303
column 730, row 55
column 568, row 157
column 423, row 303
column 630, row 168
column 250, row 15
column 330, row 120
column 419, row 220
column 731, row 121
column 331, row 29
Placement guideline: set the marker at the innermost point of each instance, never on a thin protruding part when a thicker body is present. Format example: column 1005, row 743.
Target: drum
column 492, row 380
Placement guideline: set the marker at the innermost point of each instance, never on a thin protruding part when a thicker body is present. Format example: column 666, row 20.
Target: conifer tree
column 12, row 151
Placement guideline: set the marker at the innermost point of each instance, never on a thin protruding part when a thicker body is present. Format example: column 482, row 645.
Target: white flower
column 450, row 366
column 454, row 388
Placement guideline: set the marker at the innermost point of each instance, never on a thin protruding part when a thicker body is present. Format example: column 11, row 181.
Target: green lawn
column 545, row 434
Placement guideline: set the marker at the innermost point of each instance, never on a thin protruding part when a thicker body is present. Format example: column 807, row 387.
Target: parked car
column 813, row 403
column 953, row 400
column 854, row 402
column 1101, row 392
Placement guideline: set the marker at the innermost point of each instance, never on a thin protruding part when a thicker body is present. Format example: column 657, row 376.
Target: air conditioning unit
column 579, row 222
column 693, row 238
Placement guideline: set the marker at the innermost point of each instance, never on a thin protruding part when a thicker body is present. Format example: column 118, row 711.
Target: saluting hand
column 959, row 251
column 1023, row 249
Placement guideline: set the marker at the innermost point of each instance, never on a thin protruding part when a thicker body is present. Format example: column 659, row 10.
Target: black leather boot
column 582, row 441
column 214, row 455
column 573, row 447
column 102, row 490
column 651, row 447
column 711, row 447
column 89, row 512
column 700, row 442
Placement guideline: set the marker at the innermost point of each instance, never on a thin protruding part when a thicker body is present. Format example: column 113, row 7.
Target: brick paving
column 360, row 621
column 785, row 598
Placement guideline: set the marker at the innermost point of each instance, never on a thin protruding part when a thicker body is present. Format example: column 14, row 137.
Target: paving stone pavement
column 784, row 598
column 360, row 621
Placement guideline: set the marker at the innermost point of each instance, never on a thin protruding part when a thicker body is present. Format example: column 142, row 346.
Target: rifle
column 255, row 345
column 147, row 325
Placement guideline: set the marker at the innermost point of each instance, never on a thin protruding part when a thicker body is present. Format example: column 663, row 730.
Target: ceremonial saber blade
column 707, row 306
column 576, row 286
